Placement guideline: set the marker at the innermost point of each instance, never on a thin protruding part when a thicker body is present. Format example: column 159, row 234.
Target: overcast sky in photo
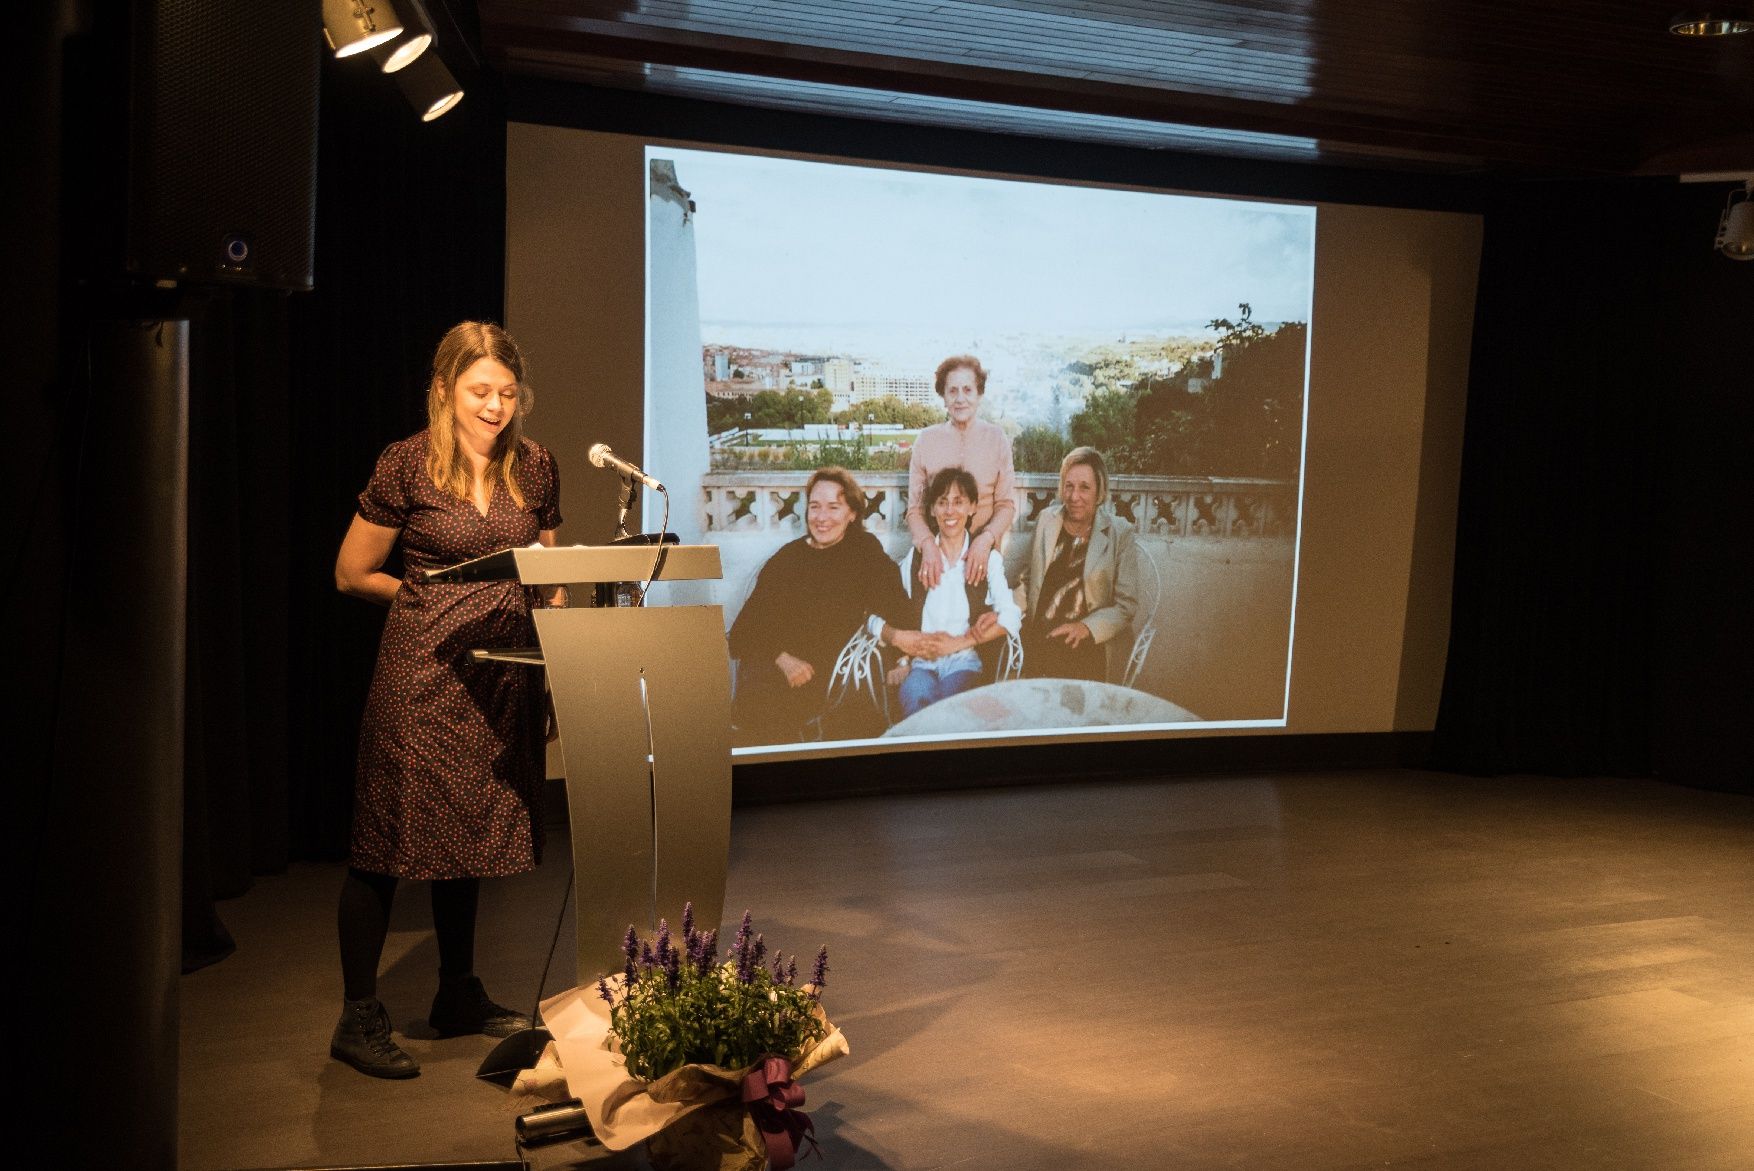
column 784, row 242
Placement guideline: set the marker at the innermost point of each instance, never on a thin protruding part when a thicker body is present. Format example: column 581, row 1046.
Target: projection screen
column 1247, row 399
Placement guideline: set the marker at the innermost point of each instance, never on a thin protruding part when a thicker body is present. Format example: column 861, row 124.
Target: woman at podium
column 450, row 765
column 813, row 594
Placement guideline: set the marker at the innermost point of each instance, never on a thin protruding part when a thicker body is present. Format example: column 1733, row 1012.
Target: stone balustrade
column 1175, row 506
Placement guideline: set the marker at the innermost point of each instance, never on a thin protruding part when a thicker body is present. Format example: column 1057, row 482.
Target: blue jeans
column 922, row 687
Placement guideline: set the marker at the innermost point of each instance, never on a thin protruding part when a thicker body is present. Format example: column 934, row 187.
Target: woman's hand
column 553, row 596
column 897, row 673
column 936, row 644
column 796, row 670
column 986, row 627
column 974, row 566
column 908, row 642
column 1073, row 633
column 931, row 564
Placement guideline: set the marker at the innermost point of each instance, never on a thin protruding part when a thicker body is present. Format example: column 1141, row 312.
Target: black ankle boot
column 363, row 1040
column 462, row 1006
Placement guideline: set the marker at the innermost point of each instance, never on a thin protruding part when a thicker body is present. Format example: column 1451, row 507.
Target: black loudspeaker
column 222, row 166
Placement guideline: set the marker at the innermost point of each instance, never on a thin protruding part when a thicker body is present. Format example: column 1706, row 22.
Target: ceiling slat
column 1574, row 86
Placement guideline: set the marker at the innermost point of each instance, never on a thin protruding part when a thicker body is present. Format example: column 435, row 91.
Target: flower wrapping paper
column 623, row 1109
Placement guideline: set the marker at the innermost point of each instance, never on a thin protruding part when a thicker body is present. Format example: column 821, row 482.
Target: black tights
column 364, row 921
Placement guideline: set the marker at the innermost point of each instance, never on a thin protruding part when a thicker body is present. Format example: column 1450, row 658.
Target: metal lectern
column 642, row 697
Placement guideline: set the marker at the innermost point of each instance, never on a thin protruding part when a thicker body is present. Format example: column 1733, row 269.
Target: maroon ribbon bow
column 773, row 1098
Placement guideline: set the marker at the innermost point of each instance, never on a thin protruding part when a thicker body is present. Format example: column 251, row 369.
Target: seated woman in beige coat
column 1081, row 580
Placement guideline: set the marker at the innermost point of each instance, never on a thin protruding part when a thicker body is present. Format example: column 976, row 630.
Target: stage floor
column 1309, row 971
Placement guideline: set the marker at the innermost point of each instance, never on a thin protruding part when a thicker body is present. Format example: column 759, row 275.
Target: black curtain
column 1703, row 386
column 292, row 398
column 1601, row 546
column 235, row 696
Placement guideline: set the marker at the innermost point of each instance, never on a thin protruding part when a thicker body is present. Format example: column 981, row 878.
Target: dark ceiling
column 1499, row 87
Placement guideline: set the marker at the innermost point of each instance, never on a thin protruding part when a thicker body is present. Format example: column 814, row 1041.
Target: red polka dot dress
column 451, row 756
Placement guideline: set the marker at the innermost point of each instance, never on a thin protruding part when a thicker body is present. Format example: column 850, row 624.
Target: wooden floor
column 1311, row 971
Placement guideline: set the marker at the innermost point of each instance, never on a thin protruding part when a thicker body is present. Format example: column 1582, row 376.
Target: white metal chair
column 1010, row 658
column 1147, row 630
column 1136, row 659
column 858, row 669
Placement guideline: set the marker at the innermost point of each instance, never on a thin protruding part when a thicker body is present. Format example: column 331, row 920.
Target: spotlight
column 419, row 33
column 429, row 86
column 1700, row 23
column 353, row 26
column 1735, row 228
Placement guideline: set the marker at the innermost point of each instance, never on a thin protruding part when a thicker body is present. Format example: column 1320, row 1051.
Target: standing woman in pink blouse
column 964, row 441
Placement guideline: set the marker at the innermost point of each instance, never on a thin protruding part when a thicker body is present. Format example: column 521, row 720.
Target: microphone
column 604, row 458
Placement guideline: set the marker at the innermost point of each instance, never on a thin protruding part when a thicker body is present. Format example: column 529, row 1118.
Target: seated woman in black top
column 811, row 596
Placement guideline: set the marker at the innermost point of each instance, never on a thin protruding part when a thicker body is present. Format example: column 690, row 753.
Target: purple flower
column 603, row 991
column 709, row 944
column 673, row 969
column 662, row 955
column 758, row 954
column 646, row 959
column 819, row 973
column 792, row 970
column 630, row 949
column 779, row 967
column 744, row 953
column 687, row 922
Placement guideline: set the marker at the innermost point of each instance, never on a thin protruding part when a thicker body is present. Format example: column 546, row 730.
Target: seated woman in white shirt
column 953, row 616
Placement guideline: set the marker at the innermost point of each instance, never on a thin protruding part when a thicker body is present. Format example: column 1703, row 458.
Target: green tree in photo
column 888, row 408
column 1234, row 410
column 1039, row 449
column 1105, row 423
column 1257, row 404
column 789, row 409
column 724, row 414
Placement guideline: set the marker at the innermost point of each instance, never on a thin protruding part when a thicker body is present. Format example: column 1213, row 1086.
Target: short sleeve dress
column 451, row 761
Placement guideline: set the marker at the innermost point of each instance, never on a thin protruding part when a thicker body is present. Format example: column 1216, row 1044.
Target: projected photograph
column 983, row 458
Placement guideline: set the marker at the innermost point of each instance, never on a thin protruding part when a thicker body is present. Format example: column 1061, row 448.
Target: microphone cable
column 658, row 557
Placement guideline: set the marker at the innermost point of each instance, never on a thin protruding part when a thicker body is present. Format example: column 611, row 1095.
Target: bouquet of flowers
column 680, row 1005
column 698, row 1053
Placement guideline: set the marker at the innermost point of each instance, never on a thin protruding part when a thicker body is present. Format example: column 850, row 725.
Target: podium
column 642, row 697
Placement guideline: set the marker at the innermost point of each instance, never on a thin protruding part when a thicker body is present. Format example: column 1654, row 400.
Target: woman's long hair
column 463, row 345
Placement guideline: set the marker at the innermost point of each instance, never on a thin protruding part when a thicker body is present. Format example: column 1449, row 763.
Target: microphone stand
column 625, row 502
column 608, row 592
column 521, row 1050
